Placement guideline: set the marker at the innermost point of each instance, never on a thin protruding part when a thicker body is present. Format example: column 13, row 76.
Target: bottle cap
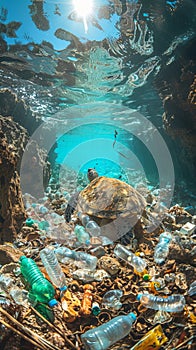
column 22, row 258
column 29, row 222
column 146, row 277
column 53, row 302
column 133, row 315
column 139, row 297
column 62, row 289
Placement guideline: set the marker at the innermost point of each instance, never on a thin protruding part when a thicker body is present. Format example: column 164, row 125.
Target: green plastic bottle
column 41, row 288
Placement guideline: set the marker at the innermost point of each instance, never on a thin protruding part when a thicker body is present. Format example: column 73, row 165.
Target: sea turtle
column 112, row 203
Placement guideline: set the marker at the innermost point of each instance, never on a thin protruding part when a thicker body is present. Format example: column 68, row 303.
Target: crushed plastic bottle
column 53, row 268
column 19, row 296
column 192, row 289
column 41, row 289
column 5, row 281
column 162, row 248
column 111, row 299
column 82, row 259
column 88, row 276
column 138, row 263
column 173, row 303
column 102, row 337
column 154, row 339
column 82, row 235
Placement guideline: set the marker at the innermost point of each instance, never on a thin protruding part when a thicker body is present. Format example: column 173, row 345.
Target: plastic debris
column 41, row 288
column 82, row 235
column 89, row 276
column 173, row 303
column 188, row 228
column 138, row 263
column 111, row 299
column 104, row 336
column 162, row 248
column 53, row 268
column 192, row 289
column 154, row 339
column 90, row 225
column 82, row 259
column 86, row 304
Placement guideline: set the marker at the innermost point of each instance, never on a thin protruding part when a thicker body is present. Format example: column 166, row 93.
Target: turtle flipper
column 71, row 206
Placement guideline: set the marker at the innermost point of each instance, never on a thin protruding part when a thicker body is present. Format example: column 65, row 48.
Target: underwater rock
column 10, row 105
column 176, row 86
column 12, row 214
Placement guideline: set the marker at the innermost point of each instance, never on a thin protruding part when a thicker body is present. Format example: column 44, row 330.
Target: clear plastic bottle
column 90, row 225
column 162, row 248
column 111, row 299
column 84, row 259
column 192, row 289
column 41, row 289
column 93, row 228
column 83, row 218
column 53, row 268
column 138, row 263
column 102, row 337
column 173, row 303
column 82, row 235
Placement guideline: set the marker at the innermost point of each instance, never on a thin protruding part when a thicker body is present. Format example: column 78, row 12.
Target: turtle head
column 92, row 174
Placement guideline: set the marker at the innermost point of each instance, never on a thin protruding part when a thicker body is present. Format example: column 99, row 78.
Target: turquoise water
column 93, row 77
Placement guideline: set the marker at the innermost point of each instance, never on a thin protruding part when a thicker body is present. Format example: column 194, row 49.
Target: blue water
column 92, row 74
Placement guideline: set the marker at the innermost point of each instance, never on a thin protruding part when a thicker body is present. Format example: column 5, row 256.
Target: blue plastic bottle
column 102, row 337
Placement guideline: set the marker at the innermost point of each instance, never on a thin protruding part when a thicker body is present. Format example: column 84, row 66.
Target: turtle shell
column 108, row 198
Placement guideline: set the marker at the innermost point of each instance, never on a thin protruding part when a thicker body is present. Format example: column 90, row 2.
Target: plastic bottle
column 154, row 339
column 192, row 289
column 138, row 263
column 111, row 299
column 162, row 248
column 90, row 225
column 83, row 218
column 84, row 259
column 87, row 275
column 109, row 333
column 41, row 288
column 82, row 235
column 173, row 303
column 53, row 268
column 93, row 228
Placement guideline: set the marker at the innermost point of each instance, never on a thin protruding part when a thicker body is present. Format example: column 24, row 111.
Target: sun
column 83, row 9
